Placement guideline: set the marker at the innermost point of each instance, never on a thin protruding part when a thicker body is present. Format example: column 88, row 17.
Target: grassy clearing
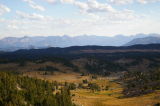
column 111, row 97
column 84, row 97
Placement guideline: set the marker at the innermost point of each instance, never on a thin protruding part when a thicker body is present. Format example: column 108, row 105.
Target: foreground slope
column 18, row 90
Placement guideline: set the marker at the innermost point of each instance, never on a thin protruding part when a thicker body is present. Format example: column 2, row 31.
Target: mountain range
column 26, row 42
column 145, row 40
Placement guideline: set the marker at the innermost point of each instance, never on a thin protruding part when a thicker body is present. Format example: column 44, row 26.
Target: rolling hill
column 76, row 51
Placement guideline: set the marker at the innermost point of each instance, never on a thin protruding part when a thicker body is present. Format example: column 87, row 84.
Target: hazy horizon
column 149, row 34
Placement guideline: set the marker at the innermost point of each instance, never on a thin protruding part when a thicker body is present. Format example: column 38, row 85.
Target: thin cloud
column 33, row 16
column 4, row 9
column 33, row 5
column 51, row 1
column 132, row 1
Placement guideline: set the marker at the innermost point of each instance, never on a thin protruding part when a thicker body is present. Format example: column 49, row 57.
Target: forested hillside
column 17, row 90
column 141, row 82
column 45, row 77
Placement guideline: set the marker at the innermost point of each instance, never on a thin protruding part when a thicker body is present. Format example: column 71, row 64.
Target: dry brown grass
column 85, row 97
column 31, row 67
column 59, row 76
column 111, row 97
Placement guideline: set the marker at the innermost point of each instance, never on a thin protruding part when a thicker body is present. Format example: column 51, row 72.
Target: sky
column 78, row 17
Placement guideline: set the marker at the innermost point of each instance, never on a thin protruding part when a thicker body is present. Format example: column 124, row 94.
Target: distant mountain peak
column 145, row 40
column 15, row 43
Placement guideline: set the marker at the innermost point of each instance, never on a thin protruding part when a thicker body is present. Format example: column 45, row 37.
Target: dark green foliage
column 102, row 67
column 138, row 83
column 69, row 64
column 94, row 77
column 94, row 87
column 107, row 87
column 136, row 61
column 85, row 81
column 98, row 63
column 84, row 74
column 63, row 99
column 72, row 86
column 80, row 85
column 22, row 63
column 154, row 64
column 157, row 104
column 24, row 91
column 48, row 68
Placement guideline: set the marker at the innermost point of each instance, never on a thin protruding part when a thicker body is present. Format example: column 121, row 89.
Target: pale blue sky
column 78, row 17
